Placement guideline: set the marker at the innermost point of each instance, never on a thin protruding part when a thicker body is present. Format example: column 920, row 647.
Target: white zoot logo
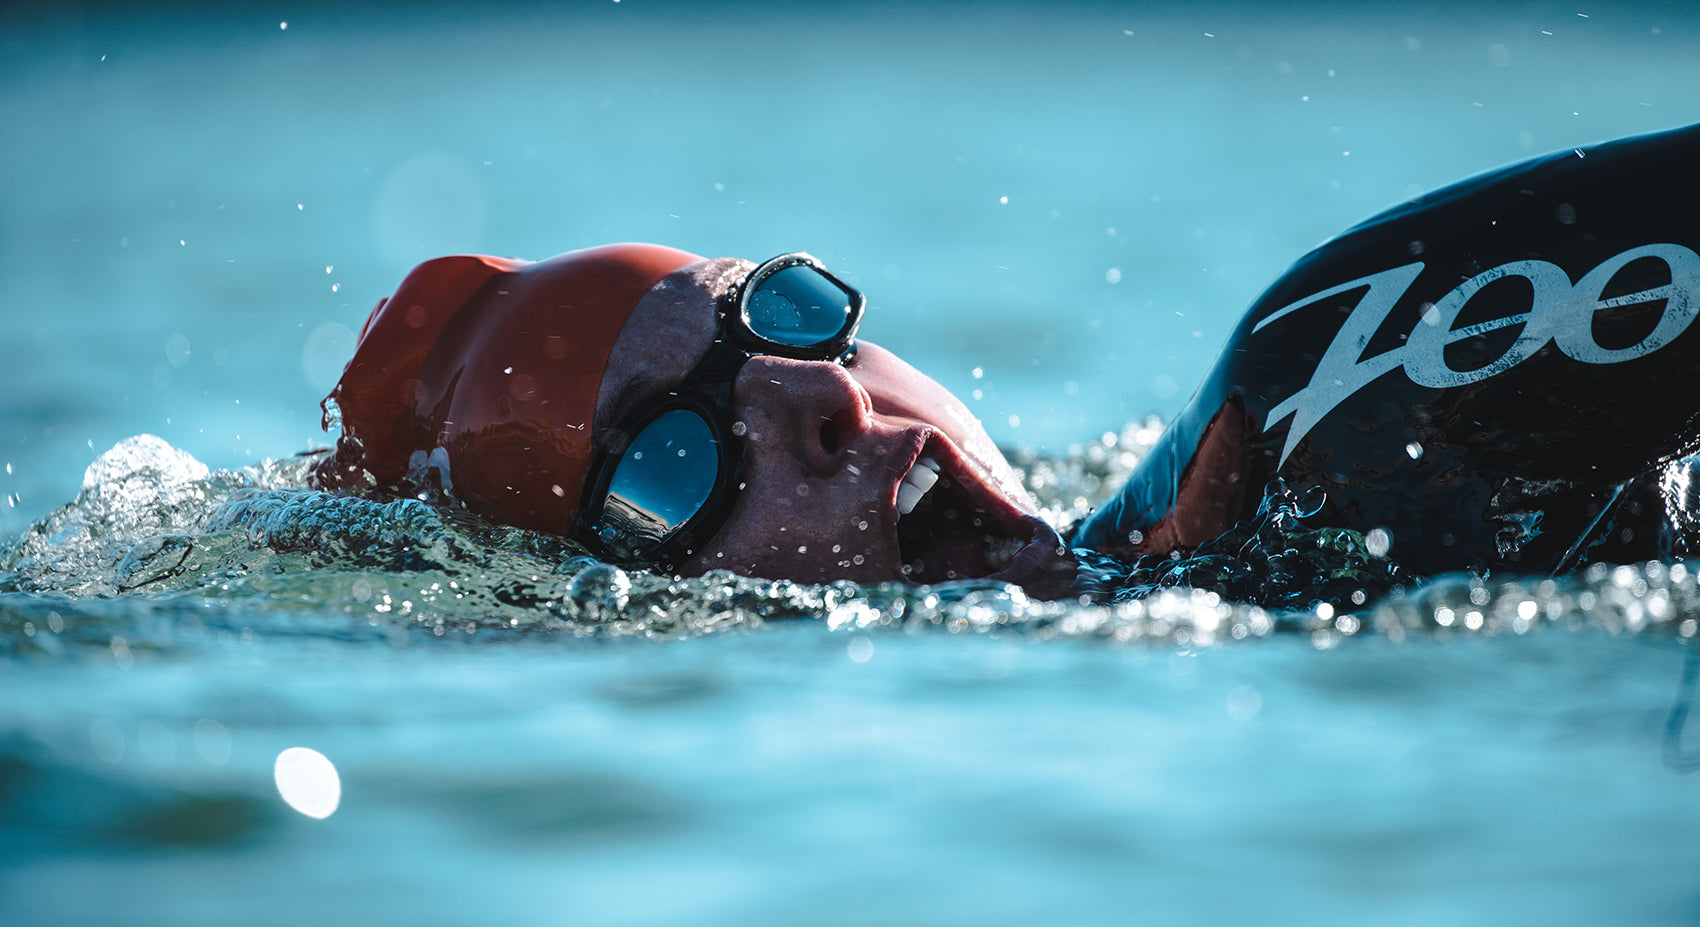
column 1559, row 312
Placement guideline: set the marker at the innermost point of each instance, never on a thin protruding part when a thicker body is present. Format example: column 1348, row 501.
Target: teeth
column 920, row 478
column 907, row 497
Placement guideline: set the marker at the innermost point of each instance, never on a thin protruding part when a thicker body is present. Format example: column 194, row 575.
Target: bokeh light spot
column 308, row 782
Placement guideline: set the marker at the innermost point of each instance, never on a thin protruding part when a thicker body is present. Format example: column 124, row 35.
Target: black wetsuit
column 1501, row 374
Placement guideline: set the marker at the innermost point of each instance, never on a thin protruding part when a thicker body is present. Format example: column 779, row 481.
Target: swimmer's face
column 826, row 449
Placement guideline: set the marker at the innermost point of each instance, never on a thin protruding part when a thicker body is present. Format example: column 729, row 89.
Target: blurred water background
column 1058, row 210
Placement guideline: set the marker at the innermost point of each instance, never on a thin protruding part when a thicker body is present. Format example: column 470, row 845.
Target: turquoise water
column 1063, row 208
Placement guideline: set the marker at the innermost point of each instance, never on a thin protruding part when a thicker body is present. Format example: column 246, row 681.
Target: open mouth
column 953, row 527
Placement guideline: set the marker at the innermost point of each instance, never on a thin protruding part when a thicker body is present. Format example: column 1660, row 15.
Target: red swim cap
column 497, row 363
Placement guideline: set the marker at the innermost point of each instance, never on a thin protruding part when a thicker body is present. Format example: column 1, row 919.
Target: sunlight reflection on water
column 308, row 782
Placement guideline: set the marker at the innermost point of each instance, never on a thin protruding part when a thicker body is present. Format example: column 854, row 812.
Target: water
column 770, row 778
column 528, row 737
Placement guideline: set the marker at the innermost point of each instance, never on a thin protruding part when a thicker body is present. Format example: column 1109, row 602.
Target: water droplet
column 121, row 653
column 324, row 354
column 1378, row 542
column 1244, row 702
column 212, row 741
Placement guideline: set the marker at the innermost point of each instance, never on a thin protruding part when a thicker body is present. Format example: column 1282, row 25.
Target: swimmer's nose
column 813, row 409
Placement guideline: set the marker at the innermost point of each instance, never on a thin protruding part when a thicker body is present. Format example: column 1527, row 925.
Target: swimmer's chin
column 1043, row 566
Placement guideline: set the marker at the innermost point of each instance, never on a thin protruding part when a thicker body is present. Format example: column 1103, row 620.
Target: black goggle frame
column 706, row 391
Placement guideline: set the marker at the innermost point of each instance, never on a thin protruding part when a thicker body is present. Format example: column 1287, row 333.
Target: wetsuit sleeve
column 1491, row 372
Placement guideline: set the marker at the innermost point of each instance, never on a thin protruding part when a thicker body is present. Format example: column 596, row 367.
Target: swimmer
column 1497, row 375
column 683, row 413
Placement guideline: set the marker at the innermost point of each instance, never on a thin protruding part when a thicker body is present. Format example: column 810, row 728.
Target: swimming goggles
column 667, row 479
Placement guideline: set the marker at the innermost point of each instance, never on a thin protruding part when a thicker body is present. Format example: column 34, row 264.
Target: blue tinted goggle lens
column 797, row 306
column 665, row 476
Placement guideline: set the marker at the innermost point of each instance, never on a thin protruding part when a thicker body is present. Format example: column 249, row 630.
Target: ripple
column 158, row 555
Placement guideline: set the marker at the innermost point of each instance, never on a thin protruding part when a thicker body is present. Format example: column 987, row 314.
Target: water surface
column 1057, row 210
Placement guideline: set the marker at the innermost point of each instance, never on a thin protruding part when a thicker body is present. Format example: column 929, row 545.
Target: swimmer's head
column 481, row 374
column 525, row 389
